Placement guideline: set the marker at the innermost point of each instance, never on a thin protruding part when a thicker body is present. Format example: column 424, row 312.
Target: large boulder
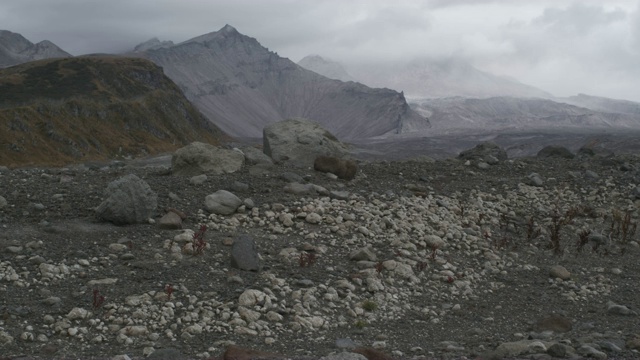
column 299, row 142
column 555, row 151
column 254, row 156
column 130, row 201
column 200, row 158
column 486, row 152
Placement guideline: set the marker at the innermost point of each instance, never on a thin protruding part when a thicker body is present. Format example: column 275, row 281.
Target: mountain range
column 426, row 78
column 15, row 49
column 61, row 108
column 243, row 87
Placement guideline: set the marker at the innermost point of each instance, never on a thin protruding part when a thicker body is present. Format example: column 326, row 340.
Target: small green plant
column 360, row 324
column 369, row 305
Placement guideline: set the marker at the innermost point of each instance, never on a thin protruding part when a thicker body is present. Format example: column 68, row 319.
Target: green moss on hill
column 54, row 112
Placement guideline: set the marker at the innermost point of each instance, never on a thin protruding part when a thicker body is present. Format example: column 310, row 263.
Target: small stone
column 198, row 179
column 167, row 354
column 239, row 186
column 313, row 218
column 362, row 254
column 170, row 221
column 555, row 322
column 634, row 343
column 107, row 281
column 560, row 272
column 613, row 308
column 591, row 352
column 557, row 350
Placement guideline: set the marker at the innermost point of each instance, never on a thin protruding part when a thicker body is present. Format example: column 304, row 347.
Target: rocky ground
column 417, row 259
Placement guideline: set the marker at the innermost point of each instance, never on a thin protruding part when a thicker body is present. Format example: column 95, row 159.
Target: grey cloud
column 578, row 18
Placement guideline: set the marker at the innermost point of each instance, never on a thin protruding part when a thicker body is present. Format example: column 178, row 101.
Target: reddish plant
column 379, row 267
column 421, row 265
column 306, row 259
column 98, row 299
column 199, row 243
column 434, row 251
column 168, row 289
column 450, row 279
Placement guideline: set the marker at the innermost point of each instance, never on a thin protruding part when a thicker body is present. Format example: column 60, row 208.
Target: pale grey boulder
column 244, row 255
column 222, row 202
column 129, row 200
column 200, row 158
column 254, row 156
column 488, row 152
column 299, row 142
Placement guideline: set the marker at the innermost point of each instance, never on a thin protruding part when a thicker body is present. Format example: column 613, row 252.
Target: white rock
column 251, row 297
column 77, row 314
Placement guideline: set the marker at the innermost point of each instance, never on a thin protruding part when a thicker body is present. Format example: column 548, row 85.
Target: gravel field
column 416, row 259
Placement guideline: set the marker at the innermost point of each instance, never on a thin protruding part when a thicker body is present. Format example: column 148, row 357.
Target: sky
column 564, row 47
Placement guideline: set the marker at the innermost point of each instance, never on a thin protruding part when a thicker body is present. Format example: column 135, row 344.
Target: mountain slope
column 243, row 87
column 85, row 108
column 15, row 49
column 506, row 113
column 428, row 78
column 325, row 67
column 603, row 104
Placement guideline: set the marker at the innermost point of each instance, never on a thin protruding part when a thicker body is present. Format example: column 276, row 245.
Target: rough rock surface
column 244, row 254
column 484, row 152
column 222, row 202
column 555, row 151
column 299, row 142
column 199, row 158
column 461, row 266
column 129, row 200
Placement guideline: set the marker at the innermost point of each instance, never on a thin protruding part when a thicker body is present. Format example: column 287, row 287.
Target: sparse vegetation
column 369, row 305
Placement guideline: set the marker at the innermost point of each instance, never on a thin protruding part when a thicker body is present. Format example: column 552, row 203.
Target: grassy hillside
column 54, row 112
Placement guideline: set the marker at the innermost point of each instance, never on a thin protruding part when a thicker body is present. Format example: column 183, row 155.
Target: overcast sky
column 561, row 46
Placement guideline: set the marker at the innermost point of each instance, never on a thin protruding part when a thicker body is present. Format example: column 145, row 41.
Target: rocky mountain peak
column 325, row 67
column 242, row 87
column 225, row 33
column 152, row 44
column 16, row 49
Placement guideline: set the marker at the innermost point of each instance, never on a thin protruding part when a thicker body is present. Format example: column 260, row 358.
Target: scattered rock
column 482, row 151
column 130, row 201
column 342, row 168
column 200, row 158
column 363, row 254
column 613, row 308
column 299, row 141
column 170, row 221
column 222, row 202
column 244, row 255
column 198, row 179
column 556, row 323
column 560, row 272
column 254, row 156
column 534, row 179
column 553, row 151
